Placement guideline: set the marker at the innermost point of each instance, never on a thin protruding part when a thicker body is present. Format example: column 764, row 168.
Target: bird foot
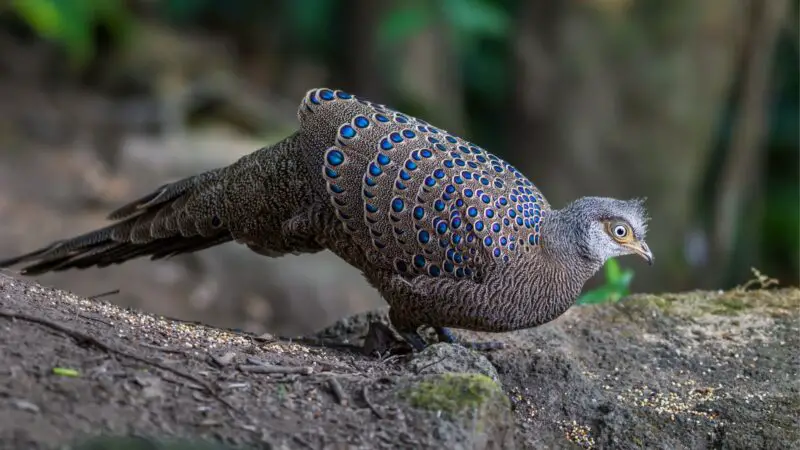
column 447, row 335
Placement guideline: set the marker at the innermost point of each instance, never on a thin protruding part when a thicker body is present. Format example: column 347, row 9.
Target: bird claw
column 447, row 335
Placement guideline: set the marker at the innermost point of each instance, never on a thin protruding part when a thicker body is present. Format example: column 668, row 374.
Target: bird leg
column 447, row 335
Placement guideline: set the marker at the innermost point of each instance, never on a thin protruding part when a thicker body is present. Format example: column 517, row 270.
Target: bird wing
column 427, row 201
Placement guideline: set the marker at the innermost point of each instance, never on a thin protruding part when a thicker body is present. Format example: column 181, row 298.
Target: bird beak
column 641, row 249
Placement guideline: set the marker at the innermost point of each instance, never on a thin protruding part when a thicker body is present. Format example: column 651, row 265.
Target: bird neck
column 561, row 268
column 564, row 245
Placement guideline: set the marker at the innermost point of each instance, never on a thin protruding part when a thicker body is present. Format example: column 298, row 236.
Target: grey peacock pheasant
column 451, row 235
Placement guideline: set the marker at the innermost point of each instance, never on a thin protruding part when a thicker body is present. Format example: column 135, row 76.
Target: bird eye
column 619, row 231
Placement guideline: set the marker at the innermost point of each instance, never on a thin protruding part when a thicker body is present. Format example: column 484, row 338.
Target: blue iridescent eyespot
column 336, row 189
column 405, row 175
column 426, row 153
column 448, row 163
column 479, row 226
column 434, row 271
column 451, row 139
column 441, row 228
column 458, row 258
column 496, row 252
column 433, row 140
column 369, row 181
column 371, row 208
column 347, row 132
column 456, row 239
column 496, row 227
column 450, row 189
column 487, row 241
column 383, row 159
column 455, row 223
column 468, row 193
column 381, row 118
column 503, row 240
column 419, row 212
column 485, row 199
column 448, row 267
column 343, row 95
column 368, row 194
column 460, row 272
column 460, row 163
column 430, row 182
column 480, row 159
column 503, row 201
column 326, row 94
column 375, row 169
column 399, row 185
column 386, row 145
column 458, row 180
column 330, row 173
column 419, row 261
column 423, row 237
column 472, row 211
column 489, row 212
column 485, row 181
column 438, row 173
column 398, row 205
column 408, row 134
column 438, row 205
column 472, row 165
column 401, row 119
column 335, row 157
column 440, row 147
column 361, row 122
column 532, row 239
column 411, row 165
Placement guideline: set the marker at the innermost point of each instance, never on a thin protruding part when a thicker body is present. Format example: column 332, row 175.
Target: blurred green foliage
column 615, row 286
column 71, row 23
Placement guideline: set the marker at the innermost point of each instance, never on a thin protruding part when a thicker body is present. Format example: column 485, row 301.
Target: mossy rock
column 457, row 393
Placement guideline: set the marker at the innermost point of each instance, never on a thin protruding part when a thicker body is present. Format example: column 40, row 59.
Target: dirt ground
column 74, row 368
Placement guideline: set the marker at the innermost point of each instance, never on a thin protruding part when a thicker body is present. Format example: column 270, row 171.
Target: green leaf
column 613, row 272
column 65, row 372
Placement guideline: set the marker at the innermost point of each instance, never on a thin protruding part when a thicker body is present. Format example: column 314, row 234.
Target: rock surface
column 696, row 370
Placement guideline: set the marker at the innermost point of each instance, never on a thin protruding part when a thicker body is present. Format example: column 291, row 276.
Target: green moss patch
column 456, row 393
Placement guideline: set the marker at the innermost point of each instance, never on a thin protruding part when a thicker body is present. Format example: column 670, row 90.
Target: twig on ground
column 163, row 349
column 419, row 370
column 365, row 394
column 96, row 319
column 338, row 392
column 91, row 340
column 103, row 294
column 271, row 369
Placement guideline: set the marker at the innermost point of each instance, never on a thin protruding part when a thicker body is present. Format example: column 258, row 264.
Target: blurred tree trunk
column 431, row 76
column 621, row 99
column 361, row 68
column 740, row 180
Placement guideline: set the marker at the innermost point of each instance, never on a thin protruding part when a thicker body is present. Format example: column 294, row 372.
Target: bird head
column 605, row 228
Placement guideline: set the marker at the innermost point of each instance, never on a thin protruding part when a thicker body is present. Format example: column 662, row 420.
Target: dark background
column 691, row 104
